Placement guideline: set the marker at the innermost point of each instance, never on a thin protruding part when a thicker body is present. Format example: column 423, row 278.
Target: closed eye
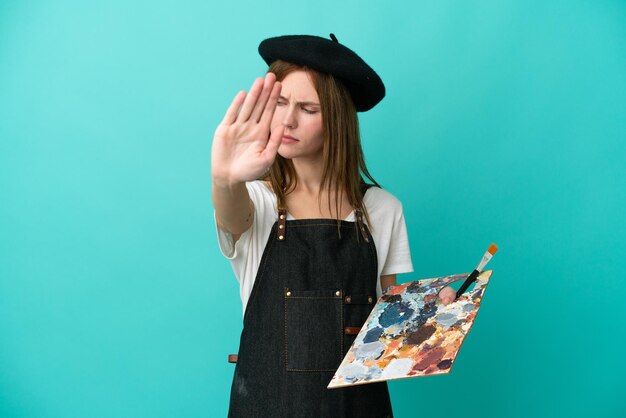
column 310, row 111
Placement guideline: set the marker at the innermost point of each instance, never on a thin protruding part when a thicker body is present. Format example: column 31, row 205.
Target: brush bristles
column 492, row 249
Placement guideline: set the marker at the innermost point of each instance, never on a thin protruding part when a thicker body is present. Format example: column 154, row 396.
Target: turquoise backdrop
column 504, row 122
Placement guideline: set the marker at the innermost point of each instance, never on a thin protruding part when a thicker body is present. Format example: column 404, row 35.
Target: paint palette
column 410, row 334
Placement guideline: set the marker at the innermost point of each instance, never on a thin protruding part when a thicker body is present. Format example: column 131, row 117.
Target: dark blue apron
column 312, row 293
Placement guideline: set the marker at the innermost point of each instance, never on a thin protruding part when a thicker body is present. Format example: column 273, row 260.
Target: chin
column 285, row 152
column 285, row 155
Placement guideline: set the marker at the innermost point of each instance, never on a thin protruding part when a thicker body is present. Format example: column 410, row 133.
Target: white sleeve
column 225, row 238
column 225, row 241
column 399, row 255
column 245, row 255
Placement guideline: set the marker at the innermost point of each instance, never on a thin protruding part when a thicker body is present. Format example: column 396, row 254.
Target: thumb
column 274, row 142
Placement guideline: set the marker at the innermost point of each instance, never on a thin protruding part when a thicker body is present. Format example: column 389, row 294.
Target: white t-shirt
column 387, row 227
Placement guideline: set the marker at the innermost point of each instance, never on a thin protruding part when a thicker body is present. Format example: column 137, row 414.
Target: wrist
column 225, row 183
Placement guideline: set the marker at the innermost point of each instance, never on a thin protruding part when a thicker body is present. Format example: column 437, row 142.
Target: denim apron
column 313, row 291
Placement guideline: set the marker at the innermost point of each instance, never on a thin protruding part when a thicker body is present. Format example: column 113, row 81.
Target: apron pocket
column 313, row 330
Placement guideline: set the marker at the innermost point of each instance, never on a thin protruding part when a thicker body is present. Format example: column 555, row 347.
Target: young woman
column 311, row 243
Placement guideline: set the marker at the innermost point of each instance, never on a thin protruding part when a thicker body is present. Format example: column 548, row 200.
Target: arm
column 234, row 210
column 242, row 150
column 387, row 280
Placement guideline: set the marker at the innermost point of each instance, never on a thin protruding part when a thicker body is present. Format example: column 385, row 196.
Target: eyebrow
column 301, row 103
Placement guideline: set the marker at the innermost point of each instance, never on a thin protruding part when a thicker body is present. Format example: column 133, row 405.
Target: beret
column 328, row 56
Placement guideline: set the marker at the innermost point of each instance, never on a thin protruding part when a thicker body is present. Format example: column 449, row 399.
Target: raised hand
column 243, row 148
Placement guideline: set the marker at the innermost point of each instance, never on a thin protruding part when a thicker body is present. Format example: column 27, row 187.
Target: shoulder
column 258, row 185
column 380, row 199
column 264, row 199
column 261, row 189
column 265, row 183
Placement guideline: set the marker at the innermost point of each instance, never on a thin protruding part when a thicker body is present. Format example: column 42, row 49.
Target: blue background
column 504, row 122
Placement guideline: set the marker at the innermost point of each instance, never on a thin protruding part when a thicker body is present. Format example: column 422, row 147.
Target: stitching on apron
column 297, row 226
column 342, row 325
column 253, row 297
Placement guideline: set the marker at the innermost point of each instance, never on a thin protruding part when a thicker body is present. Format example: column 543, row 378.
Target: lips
column 289, row 139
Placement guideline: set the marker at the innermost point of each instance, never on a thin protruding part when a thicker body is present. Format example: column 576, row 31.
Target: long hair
column 342, row 152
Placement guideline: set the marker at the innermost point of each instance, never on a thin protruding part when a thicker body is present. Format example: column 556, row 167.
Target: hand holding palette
column 409, row 334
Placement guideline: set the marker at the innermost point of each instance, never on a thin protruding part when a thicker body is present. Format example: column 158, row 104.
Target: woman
column 310, row 242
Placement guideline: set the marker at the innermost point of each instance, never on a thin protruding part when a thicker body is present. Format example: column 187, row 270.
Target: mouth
column 288, row 139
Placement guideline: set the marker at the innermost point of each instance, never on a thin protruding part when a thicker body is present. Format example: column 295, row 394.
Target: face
column 298, row 110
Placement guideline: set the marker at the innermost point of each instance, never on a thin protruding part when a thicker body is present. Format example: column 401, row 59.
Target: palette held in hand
column 410, row 334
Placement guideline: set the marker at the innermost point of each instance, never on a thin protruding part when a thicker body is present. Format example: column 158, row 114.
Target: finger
column 268, row 86
column 251, row 99
column 231, row 113
column 270, row 106
column 273, row 143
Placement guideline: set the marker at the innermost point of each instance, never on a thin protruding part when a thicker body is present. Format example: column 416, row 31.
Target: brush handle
column 470, row 279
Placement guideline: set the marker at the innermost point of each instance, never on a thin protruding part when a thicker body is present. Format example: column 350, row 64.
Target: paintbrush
column 472, row 277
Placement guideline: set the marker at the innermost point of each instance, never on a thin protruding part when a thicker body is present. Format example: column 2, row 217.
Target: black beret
column 328, row 56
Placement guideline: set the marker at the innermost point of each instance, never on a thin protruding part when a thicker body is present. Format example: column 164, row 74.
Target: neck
column 309, row 172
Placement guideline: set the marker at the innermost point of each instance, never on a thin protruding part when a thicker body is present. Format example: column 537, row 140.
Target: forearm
column 234, row 210
column 386, row 281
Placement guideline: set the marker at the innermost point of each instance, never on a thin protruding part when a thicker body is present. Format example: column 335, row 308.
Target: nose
column 289, row 119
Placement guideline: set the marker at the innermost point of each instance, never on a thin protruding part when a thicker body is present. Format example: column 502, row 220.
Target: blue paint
column 395, row 314
column 373, row 335
column 469, row 307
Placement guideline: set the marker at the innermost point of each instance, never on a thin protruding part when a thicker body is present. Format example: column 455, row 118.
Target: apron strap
column 282, row 219
column 282, row 222
column 360, row 223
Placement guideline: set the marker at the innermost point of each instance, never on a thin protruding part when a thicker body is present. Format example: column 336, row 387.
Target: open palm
column 243, row 148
